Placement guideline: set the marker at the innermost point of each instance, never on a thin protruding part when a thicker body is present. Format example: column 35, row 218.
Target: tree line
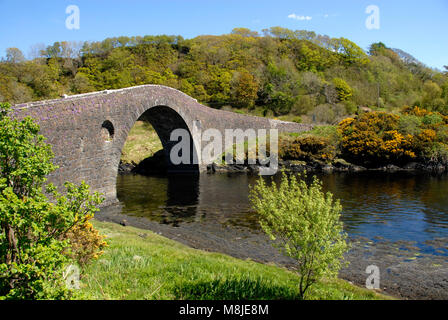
column 278, row 72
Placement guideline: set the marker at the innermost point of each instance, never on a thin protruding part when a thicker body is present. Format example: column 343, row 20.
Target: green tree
column 377, row 48
column 350, row 51
column 308, row 59
column 34, row 248
column 81, row 84
column 244, row 89
column 279, row 32
column 218, row 84
column 281, row 89
column 432, row 96
column 305, row 224
column 245, row 32
column 280, row 102
column 343, row 89
column 14, row 55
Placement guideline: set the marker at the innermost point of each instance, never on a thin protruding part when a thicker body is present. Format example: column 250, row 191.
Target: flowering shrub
column 86, row 243
column 307, row 149
column 373, row 139
column 415, row 111
column 379, row 138
column 431, row 142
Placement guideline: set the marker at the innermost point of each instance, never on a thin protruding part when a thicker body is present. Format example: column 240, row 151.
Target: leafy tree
column 409, row 124
column 305, row 224
column 432, row 96
column 281, row 89
column 308, row 59
column 245, row 32
column 245, row 89
column 13, row 90
column 34, row 243
column 377, row 48
column 218, row 84
column 304, row 104
column 279, row 32
column 81, row 84
column 343, row 89
column 350, row 51
column 281, row 102
column 14, row 55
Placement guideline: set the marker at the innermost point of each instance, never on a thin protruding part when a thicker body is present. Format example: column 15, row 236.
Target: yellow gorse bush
column 376, row 138
column 86, row 242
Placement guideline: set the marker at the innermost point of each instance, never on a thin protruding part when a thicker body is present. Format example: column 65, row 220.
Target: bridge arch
column 165, row 120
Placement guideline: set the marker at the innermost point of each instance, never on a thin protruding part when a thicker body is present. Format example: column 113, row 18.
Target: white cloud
column 297, row 17
column 326, row 15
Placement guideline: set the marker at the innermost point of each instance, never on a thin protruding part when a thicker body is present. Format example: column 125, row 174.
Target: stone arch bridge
column 88, row 131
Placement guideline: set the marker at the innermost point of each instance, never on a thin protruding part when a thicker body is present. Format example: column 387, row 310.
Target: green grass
column 142, row 142
column 328, row 131
column 139, row 264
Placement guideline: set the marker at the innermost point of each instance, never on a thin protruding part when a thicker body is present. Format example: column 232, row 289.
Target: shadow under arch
column 164, row 121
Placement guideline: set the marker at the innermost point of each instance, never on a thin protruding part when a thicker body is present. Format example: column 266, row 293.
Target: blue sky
column 419, row 28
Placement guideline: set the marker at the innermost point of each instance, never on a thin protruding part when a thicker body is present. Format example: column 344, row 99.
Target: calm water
column 377, row 206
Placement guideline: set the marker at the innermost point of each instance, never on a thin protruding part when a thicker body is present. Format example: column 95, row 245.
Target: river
column 398, row 222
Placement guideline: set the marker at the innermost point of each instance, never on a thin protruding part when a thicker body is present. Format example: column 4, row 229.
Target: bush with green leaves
column 34, row 247
column 307, row 148
column 343, row 89
column 409, row 124
column 304, row 223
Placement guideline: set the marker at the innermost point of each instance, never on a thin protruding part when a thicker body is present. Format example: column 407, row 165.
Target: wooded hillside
column 309, row 77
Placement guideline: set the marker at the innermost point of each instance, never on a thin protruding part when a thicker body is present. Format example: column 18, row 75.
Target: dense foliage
column 305, row 224
column 382, row 138
column 279, row 72
column 38, row 238
column 308, row 148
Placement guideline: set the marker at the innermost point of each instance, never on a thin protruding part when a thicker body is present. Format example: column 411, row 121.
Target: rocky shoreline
column 152, row 166
column 338, row 165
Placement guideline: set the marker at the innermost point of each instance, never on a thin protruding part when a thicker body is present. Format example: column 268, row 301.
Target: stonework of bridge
column 88, row 131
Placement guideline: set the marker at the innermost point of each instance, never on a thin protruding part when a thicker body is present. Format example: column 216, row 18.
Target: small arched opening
column 107, row 131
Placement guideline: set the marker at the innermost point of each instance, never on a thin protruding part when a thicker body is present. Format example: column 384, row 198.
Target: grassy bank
column 142, row 142
column 139, row 264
